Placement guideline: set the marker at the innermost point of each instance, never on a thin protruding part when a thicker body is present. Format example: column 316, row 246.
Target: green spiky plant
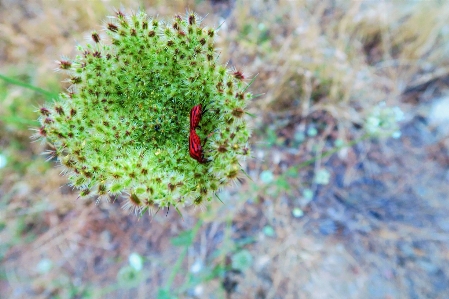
column 123, row 126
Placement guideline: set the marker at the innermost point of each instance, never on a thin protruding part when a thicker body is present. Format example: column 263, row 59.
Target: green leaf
column 242, row 260
column 184, row 239
column 245, row 241
column 269, row 231
column 44, row 266
column 283, row 184
column 322, row 177
column 46, row 93
column 266, row 176
column 128, row 276
column 164, row 294
column 307, row 194
column 312, row 131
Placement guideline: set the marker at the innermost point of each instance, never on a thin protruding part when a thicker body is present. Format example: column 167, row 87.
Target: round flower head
column 124, row 124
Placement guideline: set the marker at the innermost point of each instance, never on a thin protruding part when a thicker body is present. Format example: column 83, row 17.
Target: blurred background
column 342, row 199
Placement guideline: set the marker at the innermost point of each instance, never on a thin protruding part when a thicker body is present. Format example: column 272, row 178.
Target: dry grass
column 341, row 57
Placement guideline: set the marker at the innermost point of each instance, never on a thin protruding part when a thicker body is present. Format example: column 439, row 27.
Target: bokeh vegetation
column 326, row 69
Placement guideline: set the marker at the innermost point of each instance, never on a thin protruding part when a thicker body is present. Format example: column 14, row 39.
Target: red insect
column 195, row 116
column 195, row 148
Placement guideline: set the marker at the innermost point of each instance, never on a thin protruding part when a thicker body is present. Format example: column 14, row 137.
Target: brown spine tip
column 238, row 75
column 134, row 199
column 64, row 64
column 120, row 14
column 192, row 19
column 76, row 80
column 222, row 148
column 42, row 131
column 84, row 192
column 219, row 87
column 112, row 27
column 198, row 200
column 232, row 174
column 48, row 120
column 102, row 189
column 44, row 111
column 238, row 112
column 96, row 37
column 59, row 110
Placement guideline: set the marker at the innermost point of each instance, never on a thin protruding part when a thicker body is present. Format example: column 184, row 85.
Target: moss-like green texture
column 123, row 126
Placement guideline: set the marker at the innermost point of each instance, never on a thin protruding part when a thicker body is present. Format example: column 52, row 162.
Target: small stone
column 327, row 227
column 297, row 213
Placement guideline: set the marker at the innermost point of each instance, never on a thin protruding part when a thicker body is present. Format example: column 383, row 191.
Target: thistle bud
column 124, row 128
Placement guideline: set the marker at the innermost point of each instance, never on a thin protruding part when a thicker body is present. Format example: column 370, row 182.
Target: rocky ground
column 377, row 229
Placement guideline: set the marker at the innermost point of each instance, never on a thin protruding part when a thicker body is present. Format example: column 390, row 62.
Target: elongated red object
column 195, row 148
column 195, row 116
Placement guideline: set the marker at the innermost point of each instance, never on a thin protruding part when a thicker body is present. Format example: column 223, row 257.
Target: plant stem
column 13, row 81
column 182, row 256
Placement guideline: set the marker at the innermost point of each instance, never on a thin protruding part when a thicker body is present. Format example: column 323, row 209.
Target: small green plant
column 242, row 260
column 123, row 125
column 322, row 177
column 383, row 121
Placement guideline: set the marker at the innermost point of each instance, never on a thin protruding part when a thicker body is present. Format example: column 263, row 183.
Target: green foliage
column 165, row 294
column 242, row 260
column 322, row 177
column 129, row 277
column 266, row 176
column 44, row 266
column 123, row 127
column 17, row 112
column 384, row 121
column 269, row 231
column 185, row 238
